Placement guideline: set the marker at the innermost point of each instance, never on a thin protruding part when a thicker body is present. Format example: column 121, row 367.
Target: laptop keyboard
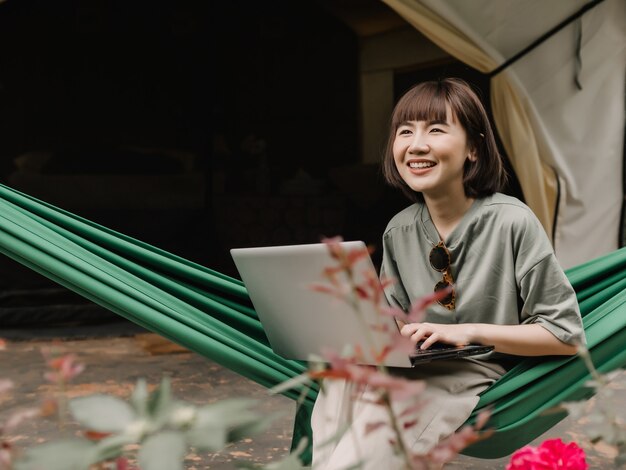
column 434, row 347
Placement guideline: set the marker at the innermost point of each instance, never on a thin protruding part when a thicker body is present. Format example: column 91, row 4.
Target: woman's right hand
column 431, row 333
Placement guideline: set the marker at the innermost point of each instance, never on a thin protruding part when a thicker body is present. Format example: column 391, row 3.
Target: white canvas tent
column 565, row 143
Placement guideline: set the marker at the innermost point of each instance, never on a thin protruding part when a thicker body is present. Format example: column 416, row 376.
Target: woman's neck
column 446, row 212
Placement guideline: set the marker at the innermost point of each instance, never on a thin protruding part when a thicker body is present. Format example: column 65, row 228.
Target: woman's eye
column 403, row 131
column 436, row 130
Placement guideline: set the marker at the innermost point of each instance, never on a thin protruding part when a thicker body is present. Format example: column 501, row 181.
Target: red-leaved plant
column 63, row 368
column 342, row 283
column 165, row 427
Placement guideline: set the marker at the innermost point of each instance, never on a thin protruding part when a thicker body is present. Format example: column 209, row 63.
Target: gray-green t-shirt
column 503, row 265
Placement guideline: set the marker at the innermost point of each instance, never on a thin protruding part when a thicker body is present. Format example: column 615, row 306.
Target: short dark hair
column 427, row 102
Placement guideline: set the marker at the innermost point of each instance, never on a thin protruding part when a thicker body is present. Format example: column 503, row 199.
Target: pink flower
column 64, row 368
column 552, row 454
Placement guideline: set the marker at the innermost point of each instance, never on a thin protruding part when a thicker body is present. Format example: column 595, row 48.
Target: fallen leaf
column 237, row 453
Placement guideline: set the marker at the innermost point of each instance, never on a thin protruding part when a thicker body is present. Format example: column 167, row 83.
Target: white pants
column 451, row 393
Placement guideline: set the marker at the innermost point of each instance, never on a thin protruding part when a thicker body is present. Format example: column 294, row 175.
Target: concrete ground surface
column 117, row 355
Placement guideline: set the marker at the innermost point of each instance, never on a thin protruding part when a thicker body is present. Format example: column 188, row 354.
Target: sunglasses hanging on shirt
column 440, row 261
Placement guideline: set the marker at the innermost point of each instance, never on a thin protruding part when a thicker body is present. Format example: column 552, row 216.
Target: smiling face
column 439, row 130
column 430, row 156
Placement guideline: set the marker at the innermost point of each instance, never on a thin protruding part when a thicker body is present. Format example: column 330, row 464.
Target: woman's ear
column 472, row 156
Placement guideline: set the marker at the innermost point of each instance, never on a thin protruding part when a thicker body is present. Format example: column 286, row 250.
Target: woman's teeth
column 419, row 165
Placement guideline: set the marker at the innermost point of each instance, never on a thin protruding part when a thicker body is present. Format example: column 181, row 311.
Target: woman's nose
column 418, row 145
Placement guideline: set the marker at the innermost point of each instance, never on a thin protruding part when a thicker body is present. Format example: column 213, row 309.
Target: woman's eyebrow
column 438, row 122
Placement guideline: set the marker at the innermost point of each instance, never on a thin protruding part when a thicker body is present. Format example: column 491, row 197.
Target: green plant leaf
column 210, row 439
column 102, row 413
column 576, row 409
column 139, row 398
column 163, row 451
column 254, row 426
column 160, row 403
column 229, row 413
column 182, row 415
column 293, row 383
column 111, row 447
column 67, row 454
column 213, row 423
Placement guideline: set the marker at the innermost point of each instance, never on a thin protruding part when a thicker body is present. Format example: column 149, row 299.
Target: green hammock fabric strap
column 149, row 255
column 587, row 275
column 126, row 303
column 210, row 313
column 165, row 326
column 201, row 299
column 51, row 252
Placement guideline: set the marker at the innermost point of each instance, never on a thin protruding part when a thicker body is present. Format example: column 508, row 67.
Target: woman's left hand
column 431, row 333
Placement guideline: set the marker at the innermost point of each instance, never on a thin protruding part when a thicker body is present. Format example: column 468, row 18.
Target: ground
column 118, row 355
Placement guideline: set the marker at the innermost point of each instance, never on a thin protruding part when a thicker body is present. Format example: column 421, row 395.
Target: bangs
column 425, row 102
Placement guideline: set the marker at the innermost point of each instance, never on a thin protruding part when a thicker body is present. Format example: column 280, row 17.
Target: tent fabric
column 577, row 135
column 537, row 180
column 210, row 313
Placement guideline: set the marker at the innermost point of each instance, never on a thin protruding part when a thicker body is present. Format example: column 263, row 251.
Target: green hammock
column 210, row 313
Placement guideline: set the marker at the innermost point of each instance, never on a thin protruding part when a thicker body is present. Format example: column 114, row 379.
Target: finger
column 418, row 336
column 409, row 329
column 428, row 342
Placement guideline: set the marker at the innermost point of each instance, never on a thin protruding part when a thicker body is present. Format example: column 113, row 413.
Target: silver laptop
column 301, row 323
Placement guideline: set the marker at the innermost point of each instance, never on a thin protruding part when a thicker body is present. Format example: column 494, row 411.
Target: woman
column 508, row 289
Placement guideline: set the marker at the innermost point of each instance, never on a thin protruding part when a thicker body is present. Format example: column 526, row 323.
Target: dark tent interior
column 198, row 126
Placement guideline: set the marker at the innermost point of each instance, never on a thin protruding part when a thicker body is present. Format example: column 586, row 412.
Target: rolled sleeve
column 549, row 300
